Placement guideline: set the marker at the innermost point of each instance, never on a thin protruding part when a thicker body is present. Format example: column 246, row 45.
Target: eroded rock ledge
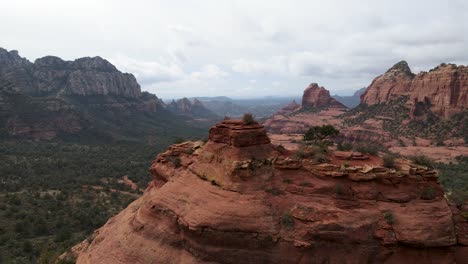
column 239, row 199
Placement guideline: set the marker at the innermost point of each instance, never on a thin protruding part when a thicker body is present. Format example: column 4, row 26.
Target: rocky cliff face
column 194, row 108
column 53, row 76
column 443, row 90
column 319, row 98
column 224, row 202
column 84, row 99
column 291, row 107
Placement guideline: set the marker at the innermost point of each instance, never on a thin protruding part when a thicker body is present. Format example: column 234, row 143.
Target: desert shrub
column 213, row 182
column 300, row 154
column 344, row 146
column 428, row 193
column 320, row 157
column 367, row 148
column 175, row 160
column 339, row 189
column 248, row 118
column 458, row 197
column 286, row 180
column 389, row 160
column 287, row 221
column 320, row 133
column 389, row 217
column 281, row 149
column 423, row 161
column 274, row 191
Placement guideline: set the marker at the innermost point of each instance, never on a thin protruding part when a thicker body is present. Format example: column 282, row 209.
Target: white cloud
column 208, row 72
column 216, row 46
column 273, row 65
column 148, row 72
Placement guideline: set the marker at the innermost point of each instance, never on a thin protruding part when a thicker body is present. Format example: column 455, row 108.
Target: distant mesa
column 318, row 98
column 291, row 107
column 443, row 90
column 51, row 75
column 193, row 108
column 87, row 99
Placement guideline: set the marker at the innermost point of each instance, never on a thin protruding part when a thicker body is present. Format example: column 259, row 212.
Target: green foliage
column 428, row 193
column 367, row 148
column 339, row 190
column 248, row 118
column 423, row 161
column 320, row 133
column 175, row 160
column 454, row 179
column 287, row 221
column 389, row 217
column 52, row 195
column 344, row 146
column 389, row 160
column 314, row 152
column 274, row 191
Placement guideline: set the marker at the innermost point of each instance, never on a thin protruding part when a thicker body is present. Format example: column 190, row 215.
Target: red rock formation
column 291, row 107
column 443, row 90
column 392, row 84
column 319, row 97
column 218, row 203
column 237, row 133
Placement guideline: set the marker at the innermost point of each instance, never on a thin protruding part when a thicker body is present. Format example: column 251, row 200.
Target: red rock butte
column 443, row 90
column 318, row 97
column 239, row 199
column 239, row 134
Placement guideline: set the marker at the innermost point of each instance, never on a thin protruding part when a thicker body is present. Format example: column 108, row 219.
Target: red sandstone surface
column 319, row 97
column 229, row 202
column 444, row 89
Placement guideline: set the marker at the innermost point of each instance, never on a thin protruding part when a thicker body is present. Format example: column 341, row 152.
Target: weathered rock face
column 194, row 109
column 11, row 59
column 293, row 106
column 52, row 75
column 85, row 99
column 319, row 97
column 392, row 84
column 238, row 134
column 443, row 90
column 218, row 203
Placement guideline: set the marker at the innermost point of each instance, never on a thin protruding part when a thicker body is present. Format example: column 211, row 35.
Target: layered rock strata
column 216, row 202
column 443, row 90
column 318, row 97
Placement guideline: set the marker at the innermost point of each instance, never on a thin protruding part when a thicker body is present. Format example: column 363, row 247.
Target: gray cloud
column 216, row 47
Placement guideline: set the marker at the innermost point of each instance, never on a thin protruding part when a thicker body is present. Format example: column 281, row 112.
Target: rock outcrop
column 54, row 76
column 194, row 109
column 88, row 98
column 238, row 134
column 317, row 97
column 216, row 202
column 443, row 90
column 291, row 107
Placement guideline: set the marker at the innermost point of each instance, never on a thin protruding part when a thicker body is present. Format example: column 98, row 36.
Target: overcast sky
column 242, row 48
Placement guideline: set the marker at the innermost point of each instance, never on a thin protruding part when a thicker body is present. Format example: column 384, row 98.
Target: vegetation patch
column 287, row 221
column 423, row 161
column 428, row 193
column 389, row 160
column 389, row 217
